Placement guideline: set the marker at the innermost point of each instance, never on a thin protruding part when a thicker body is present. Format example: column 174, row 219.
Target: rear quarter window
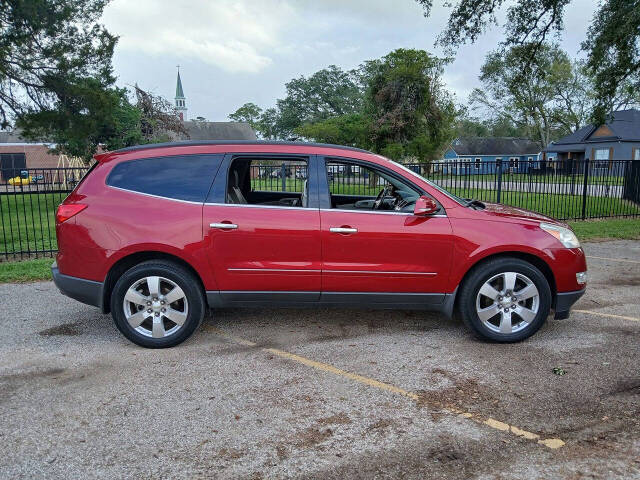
column 182, row 177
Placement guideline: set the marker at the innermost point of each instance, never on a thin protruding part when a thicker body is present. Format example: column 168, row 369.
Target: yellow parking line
column 611, row 315
column 613, row 259
column 495, row 424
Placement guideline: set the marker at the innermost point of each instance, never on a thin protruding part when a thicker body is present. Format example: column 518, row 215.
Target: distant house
column 468, row 155
column 617, row 139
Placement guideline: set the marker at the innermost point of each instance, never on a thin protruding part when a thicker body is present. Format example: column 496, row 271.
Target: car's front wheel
column 157, row 304
column 505, row 300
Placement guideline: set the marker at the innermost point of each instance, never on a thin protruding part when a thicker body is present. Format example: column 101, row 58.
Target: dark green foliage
column 613, row 45
column 351, row 129
column 49, row 49
column 56, row 80
column 91, row 114
column 497, row 126
column 330, row 92
column 410, row 112
column 249, row 112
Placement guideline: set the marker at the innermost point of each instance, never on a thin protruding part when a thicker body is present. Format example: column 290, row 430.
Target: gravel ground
column 77, row 400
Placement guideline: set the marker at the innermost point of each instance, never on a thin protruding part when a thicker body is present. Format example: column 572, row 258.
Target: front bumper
column 85, row 291
column 564, row 301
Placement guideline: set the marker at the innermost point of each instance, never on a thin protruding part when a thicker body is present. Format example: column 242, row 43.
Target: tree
column 90, row 116
column 612, row 45
column 527, row 96
column 411, row 113
column 352, row 129
column 330, row 92
column 467, row 126
column 263, row 122
column 159, row 120
column 249, row 113
column 94, row 116
column 53, row 53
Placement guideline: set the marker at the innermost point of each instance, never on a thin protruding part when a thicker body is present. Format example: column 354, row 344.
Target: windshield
column 456, row 198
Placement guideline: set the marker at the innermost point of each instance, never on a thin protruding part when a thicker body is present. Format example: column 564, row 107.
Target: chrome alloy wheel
column 155, row 307
column 508, row 302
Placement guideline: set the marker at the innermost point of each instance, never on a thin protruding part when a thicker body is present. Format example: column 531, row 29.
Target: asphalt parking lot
column 324, row 393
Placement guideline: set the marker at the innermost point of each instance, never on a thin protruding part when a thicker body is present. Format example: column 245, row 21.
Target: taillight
column 65, row 212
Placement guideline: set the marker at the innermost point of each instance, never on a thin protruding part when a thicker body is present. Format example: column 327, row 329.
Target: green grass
column 28, row 221
column 615, row 228
column 26, row 271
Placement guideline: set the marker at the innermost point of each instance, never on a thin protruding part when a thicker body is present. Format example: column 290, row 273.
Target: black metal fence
column 28, row 202
column 567, row 190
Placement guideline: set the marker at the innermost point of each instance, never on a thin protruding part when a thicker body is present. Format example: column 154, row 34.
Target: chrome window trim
column 376, row 212
column 154, row 196
column 250, row 205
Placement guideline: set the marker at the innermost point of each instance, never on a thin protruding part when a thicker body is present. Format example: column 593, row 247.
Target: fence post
column 499, row 180
column 584, row 188
column 283, row 176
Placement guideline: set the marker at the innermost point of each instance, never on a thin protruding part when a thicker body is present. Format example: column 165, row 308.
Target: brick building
column 17, row 154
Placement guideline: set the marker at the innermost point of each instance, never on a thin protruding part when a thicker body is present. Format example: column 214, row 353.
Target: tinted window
column 186, row 177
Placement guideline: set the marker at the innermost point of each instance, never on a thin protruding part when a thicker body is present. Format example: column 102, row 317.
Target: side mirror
column 425, row 206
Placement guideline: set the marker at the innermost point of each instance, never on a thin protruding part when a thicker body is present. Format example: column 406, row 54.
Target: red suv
column 156, row 234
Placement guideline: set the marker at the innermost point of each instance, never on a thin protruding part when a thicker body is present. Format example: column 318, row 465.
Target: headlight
column 564, row 235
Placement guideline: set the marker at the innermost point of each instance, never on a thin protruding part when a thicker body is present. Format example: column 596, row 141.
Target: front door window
column 360, row 188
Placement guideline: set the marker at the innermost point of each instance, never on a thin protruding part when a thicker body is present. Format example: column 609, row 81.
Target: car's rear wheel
column 157, row 304
column 505, row 300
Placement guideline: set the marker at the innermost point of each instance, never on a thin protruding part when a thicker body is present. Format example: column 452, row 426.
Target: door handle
column 343, row 230
column 224, row 226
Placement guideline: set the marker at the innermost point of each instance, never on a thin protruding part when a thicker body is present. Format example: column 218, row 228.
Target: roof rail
column 187, row 143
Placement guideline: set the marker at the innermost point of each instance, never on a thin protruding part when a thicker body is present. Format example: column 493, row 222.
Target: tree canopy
column 57, row 82
column 395, row 105
column 612, row 42
column 411, row 112
column 50, row 50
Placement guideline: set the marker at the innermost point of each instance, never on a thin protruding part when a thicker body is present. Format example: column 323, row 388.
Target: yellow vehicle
column 20, row 180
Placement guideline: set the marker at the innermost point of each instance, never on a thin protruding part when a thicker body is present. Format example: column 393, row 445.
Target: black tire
column 176, row 274
column 485, row 271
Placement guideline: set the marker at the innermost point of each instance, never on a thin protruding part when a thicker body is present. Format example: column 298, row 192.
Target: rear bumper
column 85, row 291
column 564, row 301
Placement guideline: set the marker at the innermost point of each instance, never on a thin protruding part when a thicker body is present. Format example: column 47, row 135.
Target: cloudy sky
column 236, row 51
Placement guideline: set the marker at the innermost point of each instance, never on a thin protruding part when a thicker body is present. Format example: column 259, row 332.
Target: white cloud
column 233, row 35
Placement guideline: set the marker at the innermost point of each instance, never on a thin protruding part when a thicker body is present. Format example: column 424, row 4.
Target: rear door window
column 183, row 177
column 268, row 181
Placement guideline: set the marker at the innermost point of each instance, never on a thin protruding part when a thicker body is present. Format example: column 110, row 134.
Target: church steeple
column 181, row 104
